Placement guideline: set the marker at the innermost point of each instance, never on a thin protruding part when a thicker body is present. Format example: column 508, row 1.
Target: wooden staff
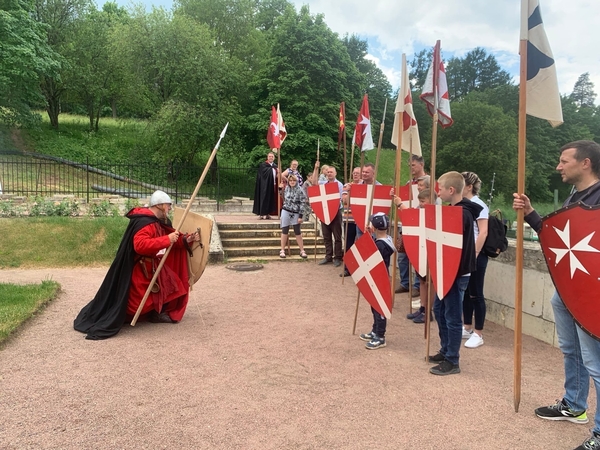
column 185, row 213
column 432, row 201
column 315, row 180
column 518, row 344
column 370, row 209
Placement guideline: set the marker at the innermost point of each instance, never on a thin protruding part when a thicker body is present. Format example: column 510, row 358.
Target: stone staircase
column 262, row 241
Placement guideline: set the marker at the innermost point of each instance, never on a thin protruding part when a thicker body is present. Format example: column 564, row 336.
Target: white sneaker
column 474, row 341
column 467, row 333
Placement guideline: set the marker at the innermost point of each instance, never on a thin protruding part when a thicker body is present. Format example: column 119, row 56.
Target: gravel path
column 264, row 360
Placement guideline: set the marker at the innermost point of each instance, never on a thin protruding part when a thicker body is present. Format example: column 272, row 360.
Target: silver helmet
column 160, row 197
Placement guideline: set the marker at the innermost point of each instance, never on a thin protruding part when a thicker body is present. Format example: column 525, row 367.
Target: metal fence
column 27, row 175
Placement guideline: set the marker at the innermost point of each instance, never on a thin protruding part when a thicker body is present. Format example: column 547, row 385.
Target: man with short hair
column 332, row 233
column 417, row 168
column 148, row 235
column 579, row 165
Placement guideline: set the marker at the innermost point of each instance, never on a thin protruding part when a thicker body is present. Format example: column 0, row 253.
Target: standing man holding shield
column 579, row 341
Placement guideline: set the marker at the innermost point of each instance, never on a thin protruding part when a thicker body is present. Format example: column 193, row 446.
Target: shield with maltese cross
column 571, row 248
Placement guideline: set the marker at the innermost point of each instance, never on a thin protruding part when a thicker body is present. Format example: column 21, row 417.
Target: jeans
column 581, row 358
column 474, row 301
column 403, row 266
column 448, row 313
column 379, row 323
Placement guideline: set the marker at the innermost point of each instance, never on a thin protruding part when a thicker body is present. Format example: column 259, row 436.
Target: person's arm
column 521, row 201
column 482, row 225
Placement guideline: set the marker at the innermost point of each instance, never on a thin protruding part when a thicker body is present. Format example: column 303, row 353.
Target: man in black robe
column 265, row 192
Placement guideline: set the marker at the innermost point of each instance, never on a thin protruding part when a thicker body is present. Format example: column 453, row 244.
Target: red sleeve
column 148, row 242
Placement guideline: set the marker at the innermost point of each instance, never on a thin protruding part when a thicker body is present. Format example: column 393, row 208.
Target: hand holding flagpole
column 187, row 209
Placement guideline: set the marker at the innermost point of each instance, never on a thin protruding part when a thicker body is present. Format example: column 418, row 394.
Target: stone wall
column 499, row 290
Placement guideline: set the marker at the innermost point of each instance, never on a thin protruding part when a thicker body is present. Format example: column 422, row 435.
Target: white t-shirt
column 484, row 214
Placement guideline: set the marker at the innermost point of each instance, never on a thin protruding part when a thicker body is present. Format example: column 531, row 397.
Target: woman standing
column 293, row 170
column 474, row 301
column 294, row 199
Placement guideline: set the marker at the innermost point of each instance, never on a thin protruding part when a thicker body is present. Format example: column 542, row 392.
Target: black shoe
column 324, row 261
column 592, row 443
column 415, row 314
column 159, row 318
column 437, row 358
column 445, row 368
column 560, row 411
column 401, row 290
column 337, row 263
column 345, row 274
column 415, row 292
column 420, row 318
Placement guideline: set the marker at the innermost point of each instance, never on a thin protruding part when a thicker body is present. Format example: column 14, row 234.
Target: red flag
column 325, row 201
column 342, row 124
column 436, row 83
column 404, row 114
column 362, row 133
column 365, row 264
column 281, row 126
column 444, row 244
column 360, row 197
column 276, row 133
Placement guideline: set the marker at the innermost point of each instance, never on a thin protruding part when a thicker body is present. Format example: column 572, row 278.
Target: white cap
column 159, row 197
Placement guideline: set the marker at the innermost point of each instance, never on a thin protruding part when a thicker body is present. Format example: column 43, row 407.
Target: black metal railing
column 44, row 176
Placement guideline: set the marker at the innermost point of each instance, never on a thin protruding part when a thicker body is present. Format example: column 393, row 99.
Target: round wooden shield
column 195, row 222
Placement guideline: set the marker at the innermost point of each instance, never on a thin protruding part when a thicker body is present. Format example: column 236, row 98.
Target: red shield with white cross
column 414, row 238
column 444, row 244
column 405, row 191
column 365, row 264
column 571, row 246
column 325, row 201
column 360, row 199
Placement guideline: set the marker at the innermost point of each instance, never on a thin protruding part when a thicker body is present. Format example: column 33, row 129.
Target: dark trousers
column 474, row 301
column 379, row 323
column 350, row 235
column 333, row 232
column 448, row 313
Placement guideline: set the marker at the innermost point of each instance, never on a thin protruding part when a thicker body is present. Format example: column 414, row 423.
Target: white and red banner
column 405, row 115
column 572, row 250
column 363, row 138
column 415, row 239
column 405, row 191
column 366, row 266
column 435, row 90
column 360, row 198
column 325, row 201
column 276, row 133
column 444, row 244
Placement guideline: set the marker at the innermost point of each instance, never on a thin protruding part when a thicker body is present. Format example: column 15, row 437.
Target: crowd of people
column 460, row 314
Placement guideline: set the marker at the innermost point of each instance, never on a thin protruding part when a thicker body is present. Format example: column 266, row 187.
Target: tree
column 583, row 92
column 309, row 72
column 24, row 57
column 477, row 71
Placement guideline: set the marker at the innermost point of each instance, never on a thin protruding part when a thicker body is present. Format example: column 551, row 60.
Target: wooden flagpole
column 346, row 173
column 370, row 209
column 315, row 180
column 518, row 344
column 183, row 217
column 278, row 167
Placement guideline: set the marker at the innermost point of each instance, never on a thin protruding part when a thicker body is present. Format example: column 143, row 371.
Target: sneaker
column 592, row 443
column 401, row 290
column 421, row 318
column 445, row 368
column 411, row 316
column 560, row 411
column 368, row 336
column 466, row 333
column 437, row 358
column 474, row 341
column 376, row 343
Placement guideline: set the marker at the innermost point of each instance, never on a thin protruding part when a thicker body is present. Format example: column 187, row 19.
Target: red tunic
column 173, row 279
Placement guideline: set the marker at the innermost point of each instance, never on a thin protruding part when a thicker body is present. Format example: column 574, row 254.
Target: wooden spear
column 185, row 213
column 315, row 180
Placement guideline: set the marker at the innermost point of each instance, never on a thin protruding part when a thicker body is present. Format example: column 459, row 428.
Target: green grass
column 59, row 241
column 20, row 302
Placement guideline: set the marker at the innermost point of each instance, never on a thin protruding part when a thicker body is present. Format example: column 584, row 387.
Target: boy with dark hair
column 448, row 310
column 380, row 222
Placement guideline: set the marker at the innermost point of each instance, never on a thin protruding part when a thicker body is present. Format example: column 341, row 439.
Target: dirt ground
column 265, row 360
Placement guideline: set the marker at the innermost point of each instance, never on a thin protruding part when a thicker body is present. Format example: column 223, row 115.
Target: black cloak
column 104, row 316
column 265, row 200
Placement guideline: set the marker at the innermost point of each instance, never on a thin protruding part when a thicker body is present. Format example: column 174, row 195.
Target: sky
column 393, row 27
